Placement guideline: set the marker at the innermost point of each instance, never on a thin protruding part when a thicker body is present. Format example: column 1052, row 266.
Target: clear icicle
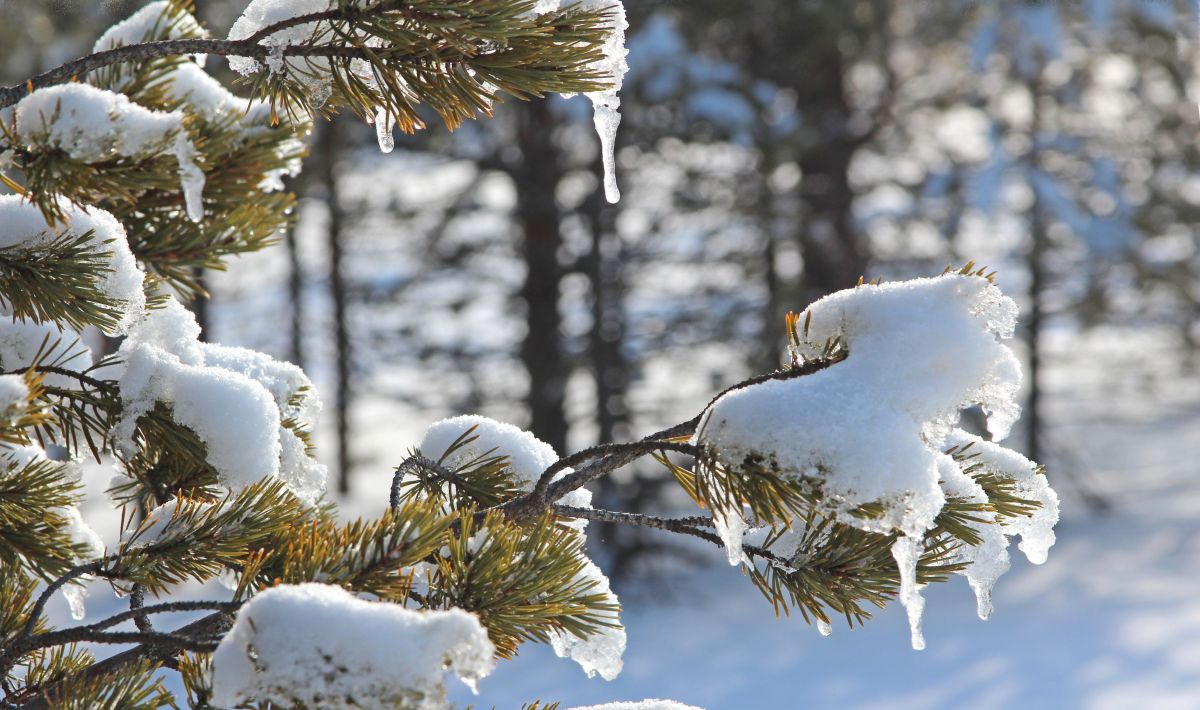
column 383, row 129
column 75, row 594
column 907, row 551
column 191, row 177
column 824, row 628
column 731, row 527
column 606, row 104
column 607, row 118
column 983, row 600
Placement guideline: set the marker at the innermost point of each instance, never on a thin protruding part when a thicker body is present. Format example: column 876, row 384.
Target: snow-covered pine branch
column 837, row 483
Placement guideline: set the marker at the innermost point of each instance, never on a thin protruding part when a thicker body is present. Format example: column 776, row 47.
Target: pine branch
column 60, row 281
column 608, row 458
column 252, row 48
column 205, row 627
column 684, row 526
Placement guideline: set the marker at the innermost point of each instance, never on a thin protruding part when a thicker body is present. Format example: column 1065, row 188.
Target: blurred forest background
column 771, row 151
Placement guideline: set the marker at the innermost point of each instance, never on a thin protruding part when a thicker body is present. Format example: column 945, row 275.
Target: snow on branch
column 871, row 443
column 317, row 645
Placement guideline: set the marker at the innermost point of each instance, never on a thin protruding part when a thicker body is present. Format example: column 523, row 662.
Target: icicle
column 731, row 527
column 907, row 551
column 75, row 595
column 606, row 104
column 383, row 129
column 606, row 117
column 983, row 600
column 823, row 627
column 191, row 177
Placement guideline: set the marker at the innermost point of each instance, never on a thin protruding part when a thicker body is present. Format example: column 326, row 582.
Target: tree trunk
column 536, row 179
column 200, row 306
column 295, row 297
column 328, row 145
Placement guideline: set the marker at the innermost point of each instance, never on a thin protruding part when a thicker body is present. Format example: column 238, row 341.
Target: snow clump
column 528, row 457
column 245, row 406
column 260, row 14
column 92, row 125
column 876, row 427
column 318, row 645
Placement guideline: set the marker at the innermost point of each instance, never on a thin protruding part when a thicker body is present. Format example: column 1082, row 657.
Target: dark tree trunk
column 610, row 371
column 1035, row 258
column 829, row 242
column 295, row 297
column 328, row 145
column 537, row 178
column 200, row 306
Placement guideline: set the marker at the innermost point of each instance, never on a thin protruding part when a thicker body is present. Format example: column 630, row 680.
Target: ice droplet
column 383, row 129
column 824, row 627
column 906, row 551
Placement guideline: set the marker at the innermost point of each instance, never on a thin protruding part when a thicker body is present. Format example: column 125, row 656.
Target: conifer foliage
column 131, row 167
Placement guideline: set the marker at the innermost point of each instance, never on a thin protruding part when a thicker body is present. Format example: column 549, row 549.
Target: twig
column 685, row 526
column 137, row 603
column 209, row 626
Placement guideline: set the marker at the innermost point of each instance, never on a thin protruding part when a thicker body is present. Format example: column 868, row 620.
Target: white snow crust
column 262, row 13
column 153, row 21
column 20, row 343
column 527, row 455
column 320, row 646
column 24, row 225
column 13, row 394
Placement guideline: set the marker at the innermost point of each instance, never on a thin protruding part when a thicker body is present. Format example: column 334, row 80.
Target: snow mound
column 156, row 20
column 24, row 226
column 318, row 645
column 22, row 341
